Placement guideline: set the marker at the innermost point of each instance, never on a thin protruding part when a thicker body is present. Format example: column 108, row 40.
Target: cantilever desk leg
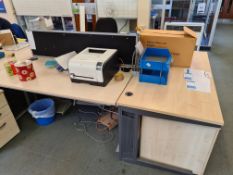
column 25, row 110
column 27, row 98
column 74, row 102
column 28, row 103
column 129, row 135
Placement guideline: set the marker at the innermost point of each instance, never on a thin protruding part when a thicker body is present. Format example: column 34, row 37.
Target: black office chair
column 106, row 25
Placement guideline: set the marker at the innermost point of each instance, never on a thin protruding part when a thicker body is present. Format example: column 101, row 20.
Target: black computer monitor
column 55, row 43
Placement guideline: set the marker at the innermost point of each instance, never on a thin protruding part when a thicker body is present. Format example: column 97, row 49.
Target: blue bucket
column 43, row 111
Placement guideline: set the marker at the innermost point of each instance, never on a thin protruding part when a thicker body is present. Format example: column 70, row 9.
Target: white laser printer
column 95, row 66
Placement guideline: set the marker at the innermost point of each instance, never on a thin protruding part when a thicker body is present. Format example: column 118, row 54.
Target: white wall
column 10, row 14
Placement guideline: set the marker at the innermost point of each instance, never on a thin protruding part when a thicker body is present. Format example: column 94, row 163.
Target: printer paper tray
column 89, row 82
column 78, row 76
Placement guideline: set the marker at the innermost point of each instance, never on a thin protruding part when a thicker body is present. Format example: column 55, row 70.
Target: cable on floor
column 81, row 126
column 111, row 111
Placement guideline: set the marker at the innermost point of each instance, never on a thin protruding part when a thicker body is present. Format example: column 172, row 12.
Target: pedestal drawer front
column 3, row 101
column 180, row 144
column 8, row 129
column 5, row 112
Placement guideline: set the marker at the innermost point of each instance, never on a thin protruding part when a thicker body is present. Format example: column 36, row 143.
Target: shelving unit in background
column 9, row 13
column 50, row 15
column 199, row 11
column 45, row 14
column 90, row 16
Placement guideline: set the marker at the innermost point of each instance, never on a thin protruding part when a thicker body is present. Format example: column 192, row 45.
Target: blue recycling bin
column 43, row 111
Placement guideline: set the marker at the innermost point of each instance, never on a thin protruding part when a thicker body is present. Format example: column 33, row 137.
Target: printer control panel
column 99, row 66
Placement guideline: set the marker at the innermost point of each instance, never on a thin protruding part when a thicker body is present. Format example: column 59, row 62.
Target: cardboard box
column 181, row 44
column 6, row 37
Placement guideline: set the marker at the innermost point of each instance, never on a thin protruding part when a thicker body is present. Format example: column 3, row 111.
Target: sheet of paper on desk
column 194, row 74
column 202, row 86
column 31, row 39
column 197, row 80
column 16, row 47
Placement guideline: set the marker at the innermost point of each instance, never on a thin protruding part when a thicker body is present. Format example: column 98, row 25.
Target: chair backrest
column 106, row 25
column 18, row 31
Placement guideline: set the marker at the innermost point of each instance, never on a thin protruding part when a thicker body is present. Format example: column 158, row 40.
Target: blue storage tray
column 155, row 66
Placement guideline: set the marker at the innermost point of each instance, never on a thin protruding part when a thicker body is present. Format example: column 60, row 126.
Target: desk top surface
column 51, row 82
column 175, row 99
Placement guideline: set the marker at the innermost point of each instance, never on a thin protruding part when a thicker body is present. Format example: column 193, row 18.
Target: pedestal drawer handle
column 3, row 125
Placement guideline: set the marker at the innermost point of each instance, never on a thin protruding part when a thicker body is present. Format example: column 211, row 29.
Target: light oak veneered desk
column 167, row 126
column 51, row 82
column 170, row 126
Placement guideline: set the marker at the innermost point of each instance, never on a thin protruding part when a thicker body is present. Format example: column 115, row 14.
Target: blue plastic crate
column 155, row 65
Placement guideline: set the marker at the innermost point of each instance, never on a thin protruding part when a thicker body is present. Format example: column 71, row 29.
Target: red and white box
column 25, row 70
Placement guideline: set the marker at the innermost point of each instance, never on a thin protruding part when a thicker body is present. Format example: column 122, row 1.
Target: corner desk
column 170, row 126
column 166, row 126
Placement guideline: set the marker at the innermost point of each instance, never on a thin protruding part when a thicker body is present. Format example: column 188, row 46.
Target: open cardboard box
column 181, row 44
column 6, row 38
